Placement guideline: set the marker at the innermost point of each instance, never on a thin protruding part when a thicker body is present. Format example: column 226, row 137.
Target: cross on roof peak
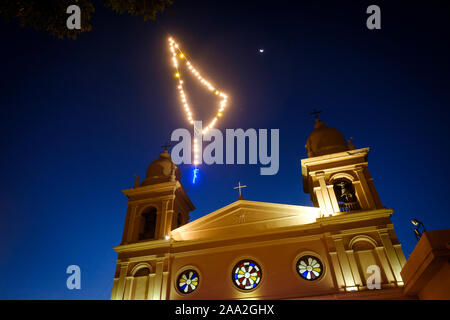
column 240, row 187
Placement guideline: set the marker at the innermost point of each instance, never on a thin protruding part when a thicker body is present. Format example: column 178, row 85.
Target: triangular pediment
column 245, row 217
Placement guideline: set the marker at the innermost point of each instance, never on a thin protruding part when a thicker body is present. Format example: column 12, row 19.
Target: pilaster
column 392, row 256
column 122, row 280
column 345, row 265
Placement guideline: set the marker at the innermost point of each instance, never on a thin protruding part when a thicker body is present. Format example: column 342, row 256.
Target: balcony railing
column 349, row 206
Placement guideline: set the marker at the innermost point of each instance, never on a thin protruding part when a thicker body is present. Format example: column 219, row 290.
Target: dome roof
column 325, row 140
column 160, row 170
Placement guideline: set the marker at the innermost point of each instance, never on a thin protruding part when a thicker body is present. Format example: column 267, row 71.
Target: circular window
column 309, row 267
column 246, row 274
column 188, row 281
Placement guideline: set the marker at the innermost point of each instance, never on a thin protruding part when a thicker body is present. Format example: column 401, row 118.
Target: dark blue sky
column 79, row 118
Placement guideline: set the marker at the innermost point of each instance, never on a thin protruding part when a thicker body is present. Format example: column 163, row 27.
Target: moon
column 261, row 50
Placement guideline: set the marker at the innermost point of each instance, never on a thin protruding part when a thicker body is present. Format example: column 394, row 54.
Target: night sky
column 80, row 117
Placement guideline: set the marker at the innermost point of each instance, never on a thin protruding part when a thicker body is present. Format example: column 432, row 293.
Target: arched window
column 148, row 224
column 143, row 272
column 345, row 194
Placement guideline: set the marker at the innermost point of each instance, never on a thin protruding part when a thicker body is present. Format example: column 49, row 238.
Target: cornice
column 159, row 187
column 356, row 216
column 143, row 245
column 334, row 157
column 284, row 234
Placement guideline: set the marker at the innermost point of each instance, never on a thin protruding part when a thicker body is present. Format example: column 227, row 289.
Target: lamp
column 417, row 231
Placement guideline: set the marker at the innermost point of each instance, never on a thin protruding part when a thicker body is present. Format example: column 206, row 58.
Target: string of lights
column 178, row 57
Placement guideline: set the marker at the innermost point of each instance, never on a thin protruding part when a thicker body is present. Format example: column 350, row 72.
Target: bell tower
column 336, row 175
column 156, row 206
column 357, row 228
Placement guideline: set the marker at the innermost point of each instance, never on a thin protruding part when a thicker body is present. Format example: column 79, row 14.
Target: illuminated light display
column 178, row 58
column 195, row 175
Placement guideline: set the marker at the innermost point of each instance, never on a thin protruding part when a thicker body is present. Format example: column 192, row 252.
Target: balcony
column 349, row 206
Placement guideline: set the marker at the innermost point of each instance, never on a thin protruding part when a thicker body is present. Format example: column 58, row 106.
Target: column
column 320, row 201
column 151, row 286
column 354, row 267
column 131, row 236
column 114, row 289
column 326, row 197
column 333, row 198
column 385, row 264
column 365, row 187
column 337, row 271
column 127, row 225
column 400, row 255
column 157, row 286
column 165, row 219
column 362, row 200
column 164, row 285
column 128, row 288
column 392, row 256
column 345, row 265
column 122, row 278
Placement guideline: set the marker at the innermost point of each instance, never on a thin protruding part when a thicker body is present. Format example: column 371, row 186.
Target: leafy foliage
column 147, row 8
column 51, row 16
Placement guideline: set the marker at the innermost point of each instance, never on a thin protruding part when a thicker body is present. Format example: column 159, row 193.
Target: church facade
column 344, row 247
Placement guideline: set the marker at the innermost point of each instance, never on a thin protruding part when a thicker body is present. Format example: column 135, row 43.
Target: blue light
column 195, row 175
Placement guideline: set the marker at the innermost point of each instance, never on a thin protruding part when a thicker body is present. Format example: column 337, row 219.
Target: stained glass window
column 188, row 281
column 246, row 274
column 309, row 267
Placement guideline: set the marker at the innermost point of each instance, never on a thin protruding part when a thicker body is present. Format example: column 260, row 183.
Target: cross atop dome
column 166, row 146
column 316, row 113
